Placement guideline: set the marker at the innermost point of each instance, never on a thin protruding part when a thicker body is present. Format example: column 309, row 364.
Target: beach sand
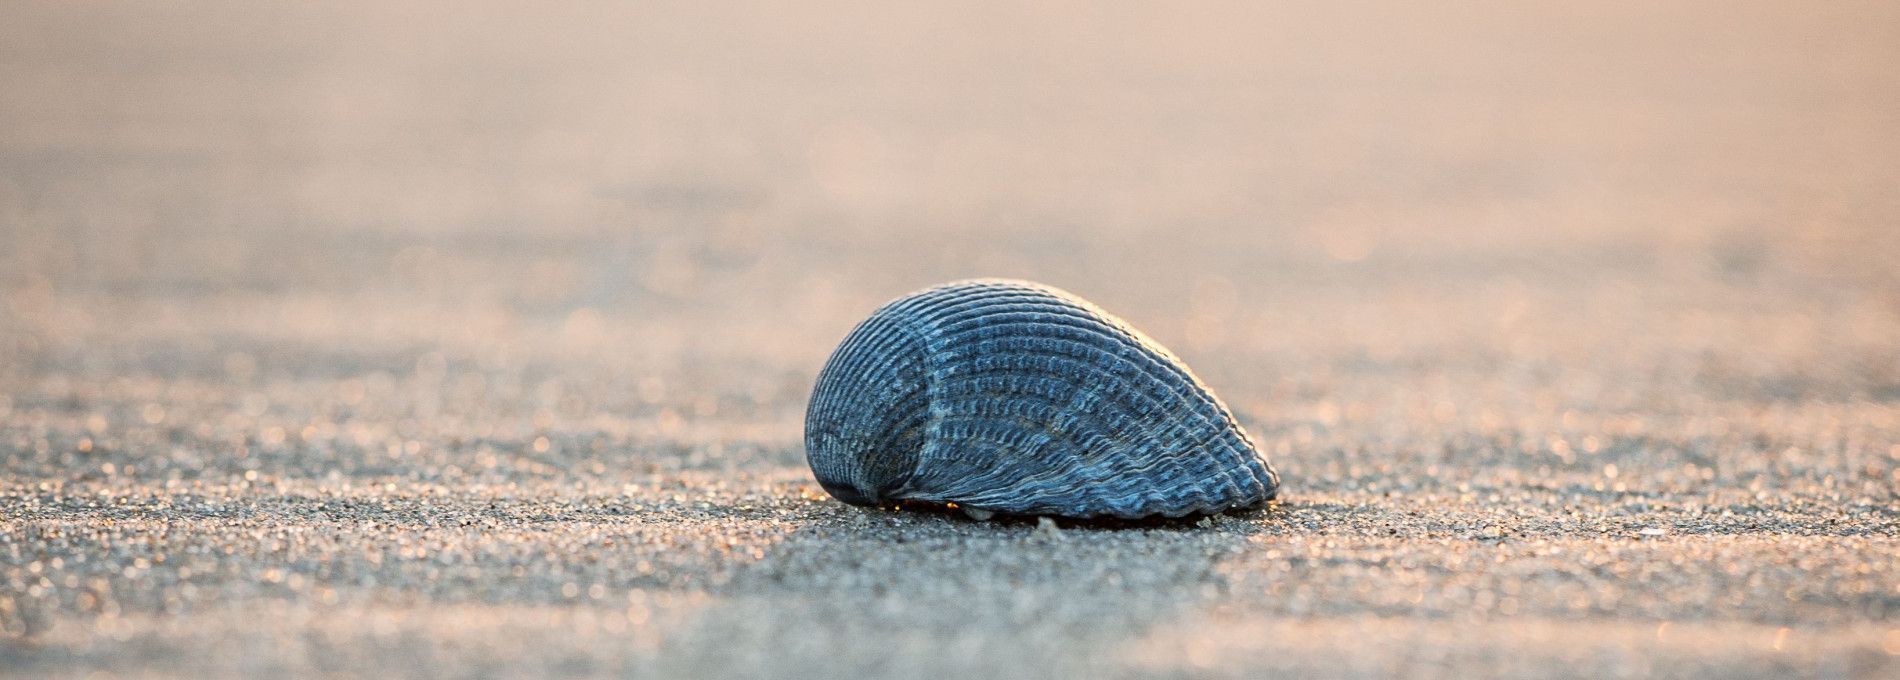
column 467, row 341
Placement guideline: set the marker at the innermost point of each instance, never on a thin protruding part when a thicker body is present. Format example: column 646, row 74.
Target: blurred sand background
column 473, row 339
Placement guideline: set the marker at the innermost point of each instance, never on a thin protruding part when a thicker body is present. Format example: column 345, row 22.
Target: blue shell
column 1014, row 397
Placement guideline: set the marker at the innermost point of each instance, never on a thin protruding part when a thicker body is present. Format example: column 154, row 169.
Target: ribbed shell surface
column 1020, row 398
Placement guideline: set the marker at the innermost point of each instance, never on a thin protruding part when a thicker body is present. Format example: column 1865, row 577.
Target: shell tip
column 977, row 514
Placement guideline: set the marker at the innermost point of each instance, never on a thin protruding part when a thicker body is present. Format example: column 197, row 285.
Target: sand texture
column 398, row 339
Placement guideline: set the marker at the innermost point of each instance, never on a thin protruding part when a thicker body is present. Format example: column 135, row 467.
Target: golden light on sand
column 417, row 338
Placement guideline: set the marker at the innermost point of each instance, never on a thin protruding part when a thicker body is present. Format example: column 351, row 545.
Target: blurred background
column 569, row 209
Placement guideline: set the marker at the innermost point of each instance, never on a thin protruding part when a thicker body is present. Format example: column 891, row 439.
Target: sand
column 464, row 341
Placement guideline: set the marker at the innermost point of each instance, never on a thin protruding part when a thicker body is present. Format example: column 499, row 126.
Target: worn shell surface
column 1019, row 398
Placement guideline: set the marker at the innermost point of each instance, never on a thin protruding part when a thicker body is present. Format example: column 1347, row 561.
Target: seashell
column 1001, row 396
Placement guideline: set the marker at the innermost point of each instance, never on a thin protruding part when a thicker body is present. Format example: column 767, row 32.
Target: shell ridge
column 1090, row 432
column 1101, row 478
column 948, row 441
column 1179, row 387
column 1090, row 459
column 969, row 424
